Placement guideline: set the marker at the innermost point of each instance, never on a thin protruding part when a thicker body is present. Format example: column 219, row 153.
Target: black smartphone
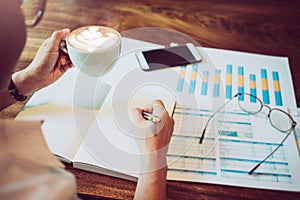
column 168, row 57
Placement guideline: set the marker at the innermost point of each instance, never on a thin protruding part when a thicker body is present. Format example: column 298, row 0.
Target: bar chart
column 231, row 79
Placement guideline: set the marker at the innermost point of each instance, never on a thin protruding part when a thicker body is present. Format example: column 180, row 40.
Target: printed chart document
column 86, row 120
column 235, row 141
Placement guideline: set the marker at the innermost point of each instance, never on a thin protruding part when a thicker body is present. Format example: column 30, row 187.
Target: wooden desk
column 265, row 27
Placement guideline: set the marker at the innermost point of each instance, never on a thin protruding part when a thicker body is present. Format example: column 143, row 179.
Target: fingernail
column 65, row 30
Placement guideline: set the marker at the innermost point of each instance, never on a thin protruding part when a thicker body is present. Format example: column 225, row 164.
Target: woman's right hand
column 154, row 138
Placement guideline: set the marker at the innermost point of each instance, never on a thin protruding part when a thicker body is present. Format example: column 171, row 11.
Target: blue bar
column 228, row 91
column 217, row 83
column 265, row 94
column 228, row 133
column 195, row 67
column 263, row 73
column 192, row 114
column 204, row 83
column 193, row 79
column 241, row 82
column 229, row 82
column 180, row 82
column 204, row 89
column 241, row 70
column 275, row 76
column 252, row 77
column 252, row 88
column 192, row 87
column 278, row 99
column 229, row 69
column 180, row 85
column 235, row 122
column 265, row 89
column 216, row 90
column 253, row 92
column 277, row 91
column 192, row 171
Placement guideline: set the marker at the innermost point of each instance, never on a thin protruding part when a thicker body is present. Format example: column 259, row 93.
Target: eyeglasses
column 33, row 11
column 250, row 104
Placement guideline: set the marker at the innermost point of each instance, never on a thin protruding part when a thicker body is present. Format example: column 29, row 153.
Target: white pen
column 151, row 117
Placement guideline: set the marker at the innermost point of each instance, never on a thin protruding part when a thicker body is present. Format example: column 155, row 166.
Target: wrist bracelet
column 14, row 92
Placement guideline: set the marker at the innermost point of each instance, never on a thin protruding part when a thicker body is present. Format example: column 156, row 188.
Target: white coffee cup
column 94, row 49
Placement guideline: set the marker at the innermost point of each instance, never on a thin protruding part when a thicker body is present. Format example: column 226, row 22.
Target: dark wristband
column 14, row 92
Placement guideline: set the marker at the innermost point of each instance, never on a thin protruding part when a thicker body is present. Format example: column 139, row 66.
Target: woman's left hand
column 47, row 66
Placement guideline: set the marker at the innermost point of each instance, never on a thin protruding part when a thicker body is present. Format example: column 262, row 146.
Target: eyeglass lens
column 278, row 118
column 249, row 103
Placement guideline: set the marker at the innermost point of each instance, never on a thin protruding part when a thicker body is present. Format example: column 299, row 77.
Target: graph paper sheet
column 235, row 141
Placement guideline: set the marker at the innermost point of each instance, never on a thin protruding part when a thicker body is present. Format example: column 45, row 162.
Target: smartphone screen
column 169, row 57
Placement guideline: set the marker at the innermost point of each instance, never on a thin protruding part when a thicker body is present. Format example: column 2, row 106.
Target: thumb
column 57, row 36
column 159, row 109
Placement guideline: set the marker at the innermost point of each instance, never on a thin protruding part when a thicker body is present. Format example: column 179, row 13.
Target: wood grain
column 257, row 26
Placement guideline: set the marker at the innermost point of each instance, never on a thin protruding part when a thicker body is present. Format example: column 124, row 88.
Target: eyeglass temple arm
column 204, row 130
column 256, row 166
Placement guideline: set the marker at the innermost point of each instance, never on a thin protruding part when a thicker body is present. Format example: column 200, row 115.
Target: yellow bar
column 205, row 79
column 264, row 84
column 276, row 86
column 240, row 81
column 217, row 78
column 252, row 84
column 194, row 76
column 182, row 73
column 228, row 79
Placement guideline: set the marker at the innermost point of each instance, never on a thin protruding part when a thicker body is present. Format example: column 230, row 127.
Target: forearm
column 152, row 185
column 153, row 151
column 23, row 82
column 152, row 179
column 26, row 82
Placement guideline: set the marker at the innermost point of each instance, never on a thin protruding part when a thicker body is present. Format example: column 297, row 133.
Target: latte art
column 93, row 38
column 94, row 49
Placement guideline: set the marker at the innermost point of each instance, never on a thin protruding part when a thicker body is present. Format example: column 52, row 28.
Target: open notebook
column 86, row 120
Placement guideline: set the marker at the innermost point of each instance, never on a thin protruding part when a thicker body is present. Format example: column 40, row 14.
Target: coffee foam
column 93, row 38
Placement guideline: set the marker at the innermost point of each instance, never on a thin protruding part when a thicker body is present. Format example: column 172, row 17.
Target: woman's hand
column 153, row 138
column 153, row 142
column 157, row 135
column 48, row 65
